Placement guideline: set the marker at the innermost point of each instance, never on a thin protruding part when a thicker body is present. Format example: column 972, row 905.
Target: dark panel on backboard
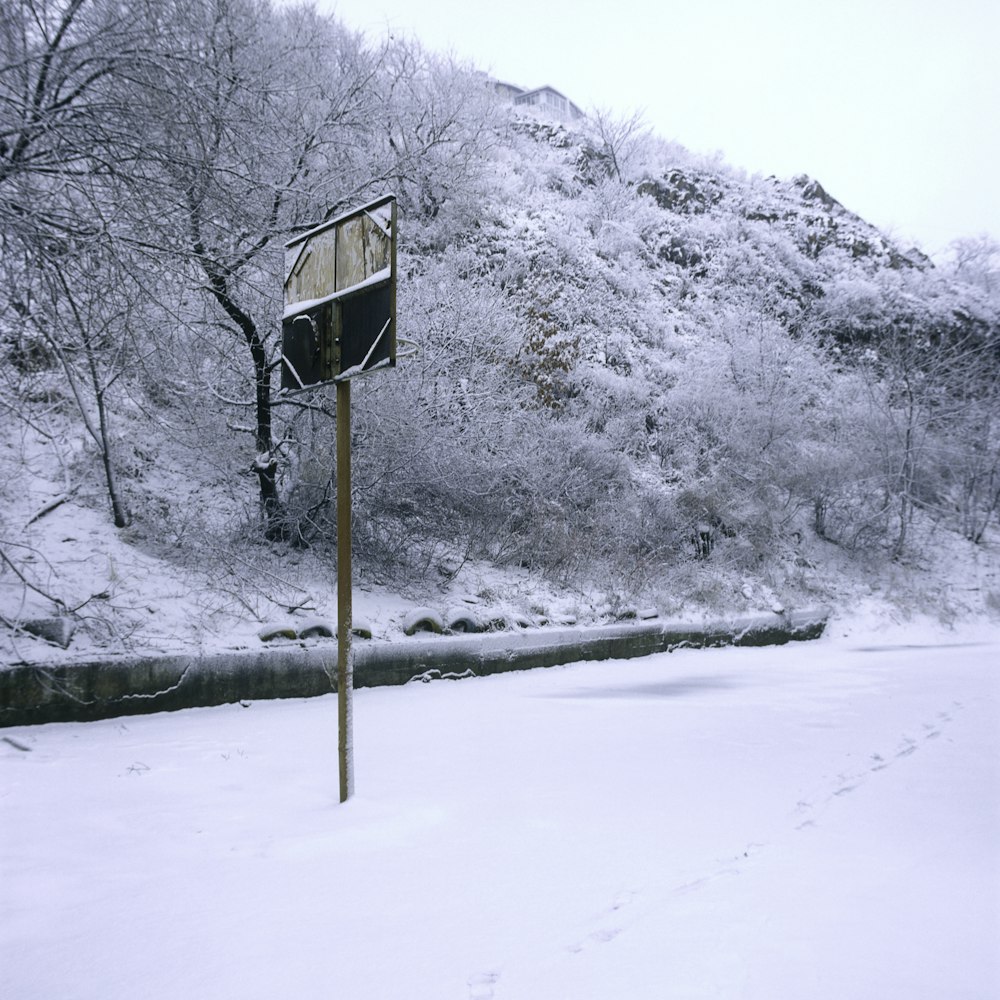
column 364, row 317
column 303, row 339
column 340, row 297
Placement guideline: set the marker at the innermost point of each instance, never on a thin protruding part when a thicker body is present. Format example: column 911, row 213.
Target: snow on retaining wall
column 35, row 693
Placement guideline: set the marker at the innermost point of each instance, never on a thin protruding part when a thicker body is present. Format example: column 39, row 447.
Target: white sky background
column 891, row 104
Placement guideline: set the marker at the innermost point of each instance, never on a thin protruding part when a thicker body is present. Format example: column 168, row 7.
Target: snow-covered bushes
column 631, row 361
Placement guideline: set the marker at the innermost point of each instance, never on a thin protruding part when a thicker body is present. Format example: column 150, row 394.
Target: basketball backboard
column 340, row 297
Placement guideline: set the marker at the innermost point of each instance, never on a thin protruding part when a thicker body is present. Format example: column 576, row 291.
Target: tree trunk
column 265, row 463
column 118, row 510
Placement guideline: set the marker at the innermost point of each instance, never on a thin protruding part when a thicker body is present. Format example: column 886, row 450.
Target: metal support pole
column 345, row 661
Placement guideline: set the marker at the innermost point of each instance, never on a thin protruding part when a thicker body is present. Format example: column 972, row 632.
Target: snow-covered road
column 818, row 820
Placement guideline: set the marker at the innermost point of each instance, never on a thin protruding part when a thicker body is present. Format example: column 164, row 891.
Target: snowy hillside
column 641, row 378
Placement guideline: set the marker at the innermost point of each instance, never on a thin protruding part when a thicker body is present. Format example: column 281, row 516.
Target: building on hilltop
column 545, row 99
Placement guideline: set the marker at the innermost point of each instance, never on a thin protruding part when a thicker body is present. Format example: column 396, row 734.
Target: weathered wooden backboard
column 340, row 297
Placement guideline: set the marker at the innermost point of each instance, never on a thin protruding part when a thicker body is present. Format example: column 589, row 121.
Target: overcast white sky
column 892, row 105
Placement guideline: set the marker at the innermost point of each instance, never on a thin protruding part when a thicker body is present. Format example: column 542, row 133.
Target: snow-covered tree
column 251, row 116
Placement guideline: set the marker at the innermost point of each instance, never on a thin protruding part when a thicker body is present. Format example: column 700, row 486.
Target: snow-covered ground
column 131, row 592
column 815, row 821
column 125, row 597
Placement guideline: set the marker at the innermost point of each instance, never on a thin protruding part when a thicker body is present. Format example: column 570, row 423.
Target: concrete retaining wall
column 33, row 693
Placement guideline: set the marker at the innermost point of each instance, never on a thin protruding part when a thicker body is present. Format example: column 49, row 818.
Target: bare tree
column 437, row 123
column 976, row 260
column 83, row 313
column 63, row 119
column 620, row 138
column 928, row 366
column 252, row 116
column 66, row 149
column 973, row 450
